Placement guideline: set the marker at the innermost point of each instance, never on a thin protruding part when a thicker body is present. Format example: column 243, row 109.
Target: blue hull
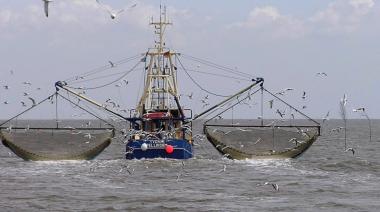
column 156, row 149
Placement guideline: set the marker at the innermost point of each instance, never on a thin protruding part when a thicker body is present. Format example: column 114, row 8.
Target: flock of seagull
column 112, row 13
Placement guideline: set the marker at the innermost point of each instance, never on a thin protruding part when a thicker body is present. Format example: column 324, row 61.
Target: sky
column 287, row 42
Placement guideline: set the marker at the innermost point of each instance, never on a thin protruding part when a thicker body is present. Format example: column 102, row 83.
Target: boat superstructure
column 161, row 129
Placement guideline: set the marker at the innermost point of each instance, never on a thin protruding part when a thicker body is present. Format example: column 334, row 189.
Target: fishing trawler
column 160, row 129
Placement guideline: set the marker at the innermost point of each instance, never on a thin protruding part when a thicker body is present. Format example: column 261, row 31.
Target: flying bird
column 274, row 185
column 190, row 95
column 280, row 93
column 6, row 87
column 322, row 74
column 27, row 83
column 359, row 109
column 113, row 13
column 304, row 95
column 23, row 104
column 326, row 118
column 271, row 103
column 111, row 63
column 125, row 81
column 33, row 101
column 344, row 100
column 46, row 7
column 351, row 150
column 224, row 169
column 294, row 140
column 280, row 113
column 89, row 136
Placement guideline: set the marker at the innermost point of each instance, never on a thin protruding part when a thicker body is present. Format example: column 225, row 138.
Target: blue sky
column 287, row 42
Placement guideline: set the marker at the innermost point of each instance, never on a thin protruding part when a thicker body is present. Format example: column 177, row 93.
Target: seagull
column 304, row 95
column 257, row 141
column 27, row 83
column 205, row 105
column 243, row 130
column 271, row 103
column 190, row 95
column 224, row 148
column 359, row 109
column 26, row 94
column 125, row 81
column 111, row 63
column 304, row 107
column 224, row 169
column 294, row 140
column 326, row 118
column 33, row 101
column 89, row 136
column 280, row 93
column 6, row 102
column 6, row 87
column 322, row 74
column 23, row 104
column 344, row 100
column 338, row 129
column 46, row 6
column 274, row 185
column 280, row 113
column 112, row 13
column 351, row 149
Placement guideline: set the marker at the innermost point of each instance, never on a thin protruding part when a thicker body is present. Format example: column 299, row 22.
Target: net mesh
column 57, row 144
column 261, row 142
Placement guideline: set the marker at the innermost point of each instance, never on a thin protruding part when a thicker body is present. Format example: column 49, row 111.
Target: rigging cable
column 220, row 75
column 109, row 83
column 226, row 69
column 85, row 110
column 102, row 68
column 196, row 83
column 16, row 116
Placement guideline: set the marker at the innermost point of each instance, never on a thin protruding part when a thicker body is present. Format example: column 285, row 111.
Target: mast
column 161, row 77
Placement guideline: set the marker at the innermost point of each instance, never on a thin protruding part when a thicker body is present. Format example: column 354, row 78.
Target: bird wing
column 46, row 6
column 120, row 11
column 33, row 101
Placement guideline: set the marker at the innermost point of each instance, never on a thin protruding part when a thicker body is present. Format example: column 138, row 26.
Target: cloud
column 340, row 16
column 269, row 19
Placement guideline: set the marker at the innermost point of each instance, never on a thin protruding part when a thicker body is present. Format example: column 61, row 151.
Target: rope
column 226, row 69
column 27, row 109
column 102, row 68
column 220, row 75
column 109, row 83
column 310, row 119
column 196, row 83
column 86, row 110
column 239, row 101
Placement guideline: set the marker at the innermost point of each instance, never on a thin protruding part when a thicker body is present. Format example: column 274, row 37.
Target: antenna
column 159, row 28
